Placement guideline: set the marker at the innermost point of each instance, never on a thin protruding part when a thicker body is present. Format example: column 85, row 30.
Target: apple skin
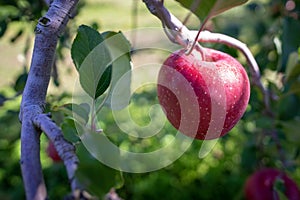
column 220, row 86
column 52, row 153
column 259, row 186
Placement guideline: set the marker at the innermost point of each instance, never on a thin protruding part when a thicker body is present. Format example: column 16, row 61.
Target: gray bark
column 47, row 32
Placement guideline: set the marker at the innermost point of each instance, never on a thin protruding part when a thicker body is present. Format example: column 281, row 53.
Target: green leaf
column 96, row 177
column 290, row 39
column 293, row 67
column 78, row 112
column 264, row 122
column 104, row 81
column 119, row 49
column 291, row 130
column 69, row 130
column 85, row 41
column 8, row 11
column 21, row 82
column 287, row 107
column 91, row 58
column 210, row 8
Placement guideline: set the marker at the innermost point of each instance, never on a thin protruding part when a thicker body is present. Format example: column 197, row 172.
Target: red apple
column 260, row 185
column 52, row 153
column 203, row 95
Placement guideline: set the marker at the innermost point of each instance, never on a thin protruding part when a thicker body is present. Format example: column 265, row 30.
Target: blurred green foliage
column 24, row 10
column 271, row 30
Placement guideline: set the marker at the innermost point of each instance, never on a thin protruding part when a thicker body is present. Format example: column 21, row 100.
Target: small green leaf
column 21, row 82
column 293, row 67
column 91, row 58
column 291, row 130
column 210, row 8
column 119, row 49
column 104, row 81
column 223, row 5
column 85, row 41
column 69, row 130
column 290, row 39
column 78, row 112
column 9, row 11
column 96, row 177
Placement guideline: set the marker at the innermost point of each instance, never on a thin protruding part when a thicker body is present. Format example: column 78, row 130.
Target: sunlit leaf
column 293, row 67
column 78, row 112
column 104, row 81
column 86, row 40
column 91, row 58
column 119, row 49
column 210, row 8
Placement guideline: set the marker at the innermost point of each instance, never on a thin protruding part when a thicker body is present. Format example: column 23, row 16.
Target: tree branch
column 175, row 30
column 47, row 32
column 65, row 150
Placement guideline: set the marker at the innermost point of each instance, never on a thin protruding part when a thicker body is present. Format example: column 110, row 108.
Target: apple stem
column 195, row 42
column 207, row 36
column 175, row 30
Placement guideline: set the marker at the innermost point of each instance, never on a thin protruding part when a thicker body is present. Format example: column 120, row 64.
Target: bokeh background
column 271, row 30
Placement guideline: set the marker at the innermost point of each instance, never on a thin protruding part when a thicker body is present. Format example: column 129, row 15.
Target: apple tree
column 237, row 105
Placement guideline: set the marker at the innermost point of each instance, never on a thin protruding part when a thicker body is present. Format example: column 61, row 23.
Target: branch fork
column 48, row 29
column 65, row 150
